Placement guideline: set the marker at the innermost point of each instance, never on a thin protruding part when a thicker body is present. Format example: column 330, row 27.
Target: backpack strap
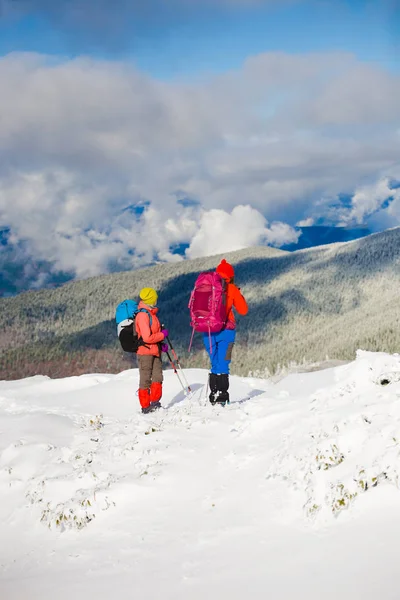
column 146, row 311
column 141, row 342
column 191, row 340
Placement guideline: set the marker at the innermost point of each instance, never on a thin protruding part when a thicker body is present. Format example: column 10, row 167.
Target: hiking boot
column 212, row 381
column 222, row 402
column 222, row 396
column 151, row 408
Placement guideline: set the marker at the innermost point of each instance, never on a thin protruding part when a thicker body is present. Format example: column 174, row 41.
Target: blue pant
column 220, row 352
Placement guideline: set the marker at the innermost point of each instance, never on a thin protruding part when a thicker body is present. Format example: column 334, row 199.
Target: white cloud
column 83, row 139
column 305, row 222
column 280, row 234
column 370, row 199
column 220, row 231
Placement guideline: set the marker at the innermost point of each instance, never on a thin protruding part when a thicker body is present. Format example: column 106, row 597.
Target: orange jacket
column 151, row 336
column 234, row 299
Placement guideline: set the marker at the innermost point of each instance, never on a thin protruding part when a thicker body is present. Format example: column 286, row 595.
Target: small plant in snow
column 151, row 430
column 97, row 422
column 36, row 496
column 63, row 519
column 312, row 508
column 327, row 460
column 366, row 481
column 341, row 498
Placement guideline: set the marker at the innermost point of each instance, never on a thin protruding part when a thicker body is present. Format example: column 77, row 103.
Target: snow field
column 291, row 491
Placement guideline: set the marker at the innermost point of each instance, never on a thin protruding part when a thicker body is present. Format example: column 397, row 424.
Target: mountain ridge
column 19, row 274
column 309, row 305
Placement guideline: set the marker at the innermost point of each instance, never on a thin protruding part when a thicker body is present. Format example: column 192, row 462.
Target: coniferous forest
column 304, row 307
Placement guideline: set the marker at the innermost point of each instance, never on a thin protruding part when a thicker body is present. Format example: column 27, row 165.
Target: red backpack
column 208, row 304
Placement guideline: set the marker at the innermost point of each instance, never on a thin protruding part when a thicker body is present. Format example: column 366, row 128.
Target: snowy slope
column 290, row 492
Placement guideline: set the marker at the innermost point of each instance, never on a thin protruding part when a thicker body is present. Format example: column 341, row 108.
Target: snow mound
column 348, row 443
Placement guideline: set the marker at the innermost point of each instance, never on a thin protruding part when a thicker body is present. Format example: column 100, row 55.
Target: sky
column 129, row 130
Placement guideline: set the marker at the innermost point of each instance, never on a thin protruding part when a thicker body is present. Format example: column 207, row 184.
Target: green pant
column 150, row 370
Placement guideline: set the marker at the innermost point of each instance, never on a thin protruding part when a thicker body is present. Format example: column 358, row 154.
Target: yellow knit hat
column 149, row 296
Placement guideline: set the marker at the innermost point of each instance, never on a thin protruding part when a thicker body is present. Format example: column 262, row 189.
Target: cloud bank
column 220, row 231
column 104, row 168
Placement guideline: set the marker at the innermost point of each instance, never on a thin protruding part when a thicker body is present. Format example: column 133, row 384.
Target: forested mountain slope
column 308, row 305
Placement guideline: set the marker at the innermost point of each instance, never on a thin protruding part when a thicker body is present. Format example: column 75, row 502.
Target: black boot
column 223, row 387
column 212, row 381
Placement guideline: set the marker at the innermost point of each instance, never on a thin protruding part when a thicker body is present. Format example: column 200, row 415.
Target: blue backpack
column 125, row 318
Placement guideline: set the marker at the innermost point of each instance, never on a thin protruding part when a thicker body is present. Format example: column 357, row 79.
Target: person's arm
column 143, row 328
column 239, row 302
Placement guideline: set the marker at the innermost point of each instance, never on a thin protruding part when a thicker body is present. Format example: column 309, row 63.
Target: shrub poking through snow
column 341, row 498
column 328, row 459
column 97, row 422
column 75, row 513
column 63, row 518
column 368, row 480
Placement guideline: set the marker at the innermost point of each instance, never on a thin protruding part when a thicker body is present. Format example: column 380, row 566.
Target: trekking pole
column 179, row 365
column 176, row 372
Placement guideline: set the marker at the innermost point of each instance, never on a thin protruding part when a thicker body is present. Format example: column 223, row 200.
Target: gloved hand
column 164, row 347
column 165, row 333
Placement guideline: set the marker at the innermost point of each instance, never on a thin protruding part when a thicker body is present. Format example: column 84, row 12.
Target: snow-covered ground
column 290, row 492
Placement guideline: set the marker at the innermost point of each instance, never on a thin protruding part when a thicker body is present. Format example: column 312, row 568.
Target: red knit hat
column 225, row 270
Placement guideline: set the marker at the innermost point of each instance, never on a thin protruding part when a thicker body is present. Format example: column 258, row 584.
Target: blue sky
column 222, row 42
column 176, row 42
column 129, row 129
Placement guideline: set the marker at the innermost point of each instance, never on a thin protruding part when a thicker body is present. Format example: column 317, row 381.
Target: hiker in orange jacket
column 220, row 345
column 149, row 329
